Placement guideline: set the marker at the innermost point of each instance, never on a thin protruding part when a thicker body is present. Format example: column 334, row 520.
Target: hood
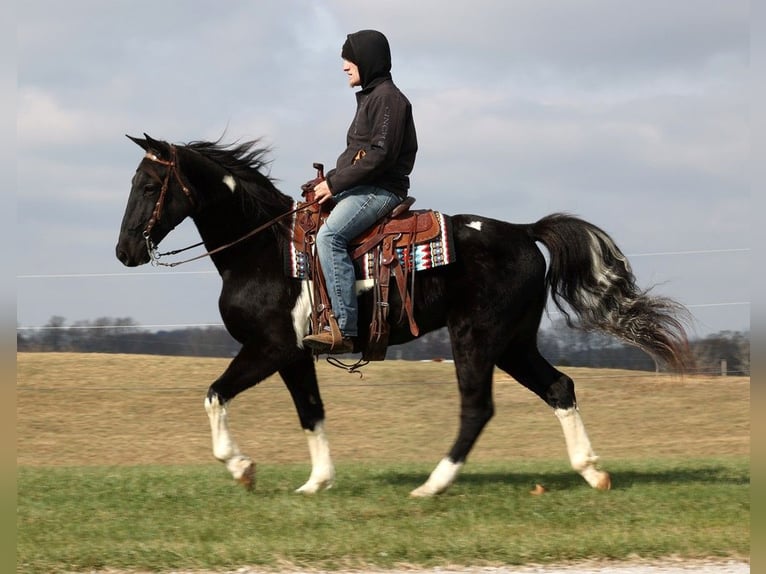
column 373, row 56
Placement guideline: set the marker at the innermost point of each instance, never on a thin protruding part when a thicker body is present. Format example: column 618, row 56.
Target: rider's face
column 352, row 70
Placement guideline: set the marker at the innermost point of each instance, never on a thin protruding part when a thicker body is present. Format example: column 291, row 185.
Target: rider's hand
column 322, row 192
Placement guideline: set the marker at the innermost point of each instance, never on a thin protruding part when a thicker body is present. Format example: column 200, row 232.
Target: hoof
column 247, row 480
column 423, row 492
column 538, row 490
column 243, row 471
column 440, row 479
column 604, row 482
column 314, row 487
column 598, row 479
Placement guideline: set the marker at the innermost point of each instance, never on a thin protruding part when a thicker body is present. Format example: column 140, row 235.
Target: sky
column 631, row 115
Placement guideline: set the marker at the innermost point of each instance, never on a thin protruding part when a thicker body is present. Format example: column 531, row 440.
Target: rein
column 154, row 256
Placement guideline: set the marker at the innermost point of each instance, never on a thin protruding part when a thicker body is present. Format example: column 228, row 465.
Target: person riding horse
column 370, row 178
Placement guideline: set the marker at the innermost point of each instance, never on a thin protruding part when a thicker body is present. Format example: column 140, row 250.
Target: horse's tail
column 589, row 272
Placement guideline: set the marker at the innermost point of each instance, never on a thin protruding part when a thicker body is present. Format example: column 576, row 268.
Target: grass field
column 115, row 470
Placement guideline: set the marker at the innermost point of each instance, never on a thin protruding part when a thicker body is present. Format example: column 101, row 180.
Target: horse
column 491, row 300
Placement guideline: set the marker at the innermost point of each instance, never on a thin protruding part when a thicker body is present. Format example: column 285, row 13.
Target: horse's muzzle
column 131, row 258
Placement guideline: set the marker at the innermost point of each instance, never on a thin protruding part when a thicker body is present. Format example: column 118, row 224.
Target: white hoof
column 440, row 480
column 314, row 486
column 242, row 469
column 598, row 479
column 425, row 491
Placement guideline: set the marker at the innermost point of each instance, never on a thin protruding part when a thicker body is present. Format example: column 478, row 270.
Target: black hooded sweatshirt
column 381, row 143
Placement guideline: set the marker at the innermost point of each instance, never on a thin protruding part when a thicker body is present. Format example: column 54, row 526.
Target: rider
column 370, row 178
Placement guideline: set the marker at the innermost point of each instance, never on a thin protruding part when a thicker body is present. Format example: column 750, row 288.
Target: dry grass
column 97, row 409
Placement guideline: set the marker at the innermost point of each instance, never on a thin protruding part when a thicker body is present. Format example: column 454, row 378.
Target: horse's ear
column 159, row 148
column 143, row 144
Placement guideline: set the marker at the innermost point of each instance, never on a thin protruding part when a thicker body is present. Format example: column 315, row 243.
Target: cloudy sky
column 632, row 115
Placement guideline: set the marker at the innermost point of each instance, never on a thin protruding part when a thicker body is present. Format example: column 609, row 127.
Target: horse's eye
column 150, row 189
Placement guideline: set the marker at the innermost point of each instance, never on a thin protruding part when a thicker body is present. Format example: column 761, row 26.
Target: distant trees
column 123, row 335
column 559, row 344
column 565, row 346
column 729, row 350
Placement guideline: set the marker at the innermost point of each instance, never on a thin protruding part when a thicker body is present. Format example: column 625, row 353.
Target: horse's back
column 497, row 247
column 498, row 277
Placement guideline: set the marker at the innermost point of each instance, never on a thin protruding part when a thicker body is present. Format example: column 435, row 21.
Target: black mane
column 246, row 162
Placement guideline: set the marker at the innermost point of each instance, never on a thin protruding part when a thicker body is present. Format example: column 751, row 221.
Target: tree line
column 727, row 352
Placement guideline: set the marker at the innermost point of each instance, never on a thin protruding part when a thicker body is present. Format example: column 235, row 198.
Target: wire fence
column 353, row 381
column 49, row 276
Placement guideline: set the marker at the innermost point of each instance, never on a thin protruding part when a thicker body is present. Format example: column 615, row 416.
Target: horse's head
column 159, row 200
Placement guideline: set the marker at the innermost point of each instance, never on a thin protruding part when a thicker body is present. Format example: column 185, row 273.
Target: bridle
column 172, row 165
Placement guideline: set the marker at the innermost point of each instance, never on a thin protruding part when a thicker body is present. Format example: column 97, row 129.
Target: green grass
column 193, row 517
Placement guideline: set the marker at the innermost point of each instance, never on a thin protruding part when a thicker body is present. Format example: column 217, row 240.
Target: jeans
column 356, row 210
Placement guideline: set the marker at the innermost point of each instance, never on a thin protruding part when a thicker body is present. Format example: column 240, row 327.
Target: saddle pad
column 427, row 255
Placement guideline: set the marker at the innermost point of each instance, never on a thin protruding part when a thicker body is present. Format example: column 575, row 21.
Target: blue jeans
column 356, row 210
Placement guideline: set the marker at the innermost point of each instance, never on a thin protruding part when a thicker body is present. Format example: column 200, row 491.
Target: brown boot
column 323, row 343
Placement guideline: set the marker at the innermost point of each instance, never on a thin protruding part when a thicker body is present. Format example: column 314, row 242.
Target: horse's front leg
column 301, row 381
column 225, row 449
column 248, row 368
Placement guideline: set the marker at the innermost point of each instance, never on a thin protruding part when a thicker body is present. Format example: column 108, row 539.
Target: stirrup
column 337, row 336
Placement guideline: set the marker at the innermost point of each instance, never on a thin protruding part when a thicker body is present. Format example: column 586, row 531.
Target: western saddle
column 391, row 242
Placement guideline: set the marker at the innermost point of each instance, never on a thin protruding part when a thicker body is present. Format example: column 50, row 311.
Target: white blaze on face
column 474, row 225
column 301, row 311
column 230, row 182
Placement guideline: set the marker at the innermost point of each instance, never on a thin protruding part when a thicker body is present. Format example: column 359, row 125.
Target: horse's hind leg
column 557, row 390
column 474, row 375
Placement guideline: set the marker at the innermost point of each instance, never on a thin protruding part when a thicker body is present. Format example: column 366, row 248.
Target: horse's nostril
column 124, row 257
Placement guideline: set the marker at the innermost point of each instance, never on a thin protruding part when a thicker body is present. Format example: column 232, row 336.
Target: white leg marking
column 440, row 480
column 581, row 455
column 230, row 182
column 322, row 468
column 474, row 225
column 225, row 449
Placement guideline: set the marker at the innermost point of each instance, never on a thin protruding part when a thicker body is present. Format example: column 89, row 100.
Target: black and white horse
column 491, row 301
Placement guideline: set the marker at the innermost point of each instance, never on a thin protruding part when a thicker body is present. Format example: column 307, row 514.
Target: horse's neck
column 226, row 225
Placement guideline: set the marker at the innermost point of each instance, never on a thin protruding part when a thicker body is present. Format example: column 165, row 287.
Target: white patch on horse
column 322, row 468
column 301, row 312
column 474, row 225
column 440, row 480
column 230, row 182
column 581, row 455
column 364, row 285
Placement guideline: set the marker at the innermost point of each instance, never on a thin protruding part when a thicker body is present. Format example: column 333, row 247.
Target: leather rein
column 172, row 165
